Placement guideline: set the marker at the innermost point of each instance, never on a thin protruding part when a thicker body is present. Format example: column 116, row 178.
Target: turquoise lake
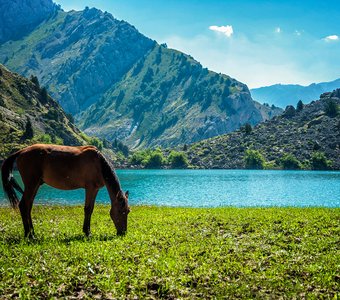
column 212, row 188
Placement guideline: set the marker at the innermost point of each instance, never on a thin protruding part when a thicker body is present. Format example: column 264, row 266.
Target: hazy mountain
column 300, row 133
column 143, row 94
column 23, row 101
column 282, row 95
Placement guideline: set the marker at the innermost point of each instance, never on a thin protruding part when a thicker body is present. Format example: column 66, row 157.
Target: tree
column 331, row 108
column 155, row 160
column 44, row 95
column 254, row 160
column 28, row 133
column 290, row 162
column 320, row 162
column 35, row 81
column 178, row 160
column 299, row 106
column 247, row 128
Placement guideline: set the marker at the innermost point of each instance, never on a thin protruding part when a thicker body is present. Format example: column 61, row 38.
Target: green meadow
column 170, row 253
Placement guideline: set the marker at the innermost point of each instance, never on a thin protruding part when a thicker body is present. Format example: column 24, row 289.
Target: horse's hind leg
column 91, row 194
column 25, row 206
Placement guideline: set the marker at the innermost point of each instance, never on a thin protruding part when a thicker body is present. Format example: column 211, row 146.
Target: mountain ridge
column 282, row 95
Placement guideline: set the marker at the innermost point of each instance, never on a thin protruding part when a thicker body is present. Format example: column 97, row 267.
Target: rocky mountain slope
column 29, row 115
column 300, row 133
column 77, row 55
column 168, row 98
column 143, row 94
column 19, row 17
column 282, row 95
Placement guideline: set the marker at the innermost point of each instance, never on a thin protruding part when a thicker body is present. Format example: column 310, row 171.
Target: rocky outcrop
column 19, row 17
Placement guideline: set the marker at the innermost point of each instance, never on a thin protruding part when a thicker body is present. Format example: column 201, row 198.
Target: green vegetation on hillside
column 304, row 138
column 29, row 115
column 168, row 98
column 173, row 253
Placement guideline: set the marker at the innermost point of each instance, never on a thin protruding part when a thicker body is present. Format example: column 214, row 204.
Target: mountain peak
column 19, row 17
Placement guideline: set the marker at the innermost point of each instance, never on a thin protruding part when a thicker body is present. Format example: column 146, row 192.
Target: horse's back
column 62, row 167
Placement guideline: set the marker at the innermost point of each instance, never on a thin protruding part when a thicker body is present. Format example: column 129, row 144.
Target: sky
column 259, row 43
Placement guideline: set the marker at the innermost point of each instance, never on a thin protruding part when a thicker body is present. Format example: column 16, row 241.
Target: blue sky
column 257, row 42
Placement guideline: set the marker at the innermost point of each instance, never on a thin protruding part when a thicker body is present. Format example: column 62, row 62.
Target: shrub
column 254, row 160
column 178, row 160
column 290, row 162
column 320, row 162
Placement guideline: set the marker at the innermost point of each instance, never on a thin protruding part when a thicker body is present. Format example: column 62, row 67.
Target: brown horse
column 65, row 168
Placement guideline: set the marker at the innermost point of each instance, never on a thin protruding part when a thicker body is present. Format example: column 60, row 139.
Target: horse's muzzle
column 121, row 233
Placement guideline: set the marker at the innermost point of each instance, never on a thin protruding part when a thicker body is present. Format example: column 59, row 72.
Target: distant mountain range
column 300, row 133
column 282, row 95
column 118, row 83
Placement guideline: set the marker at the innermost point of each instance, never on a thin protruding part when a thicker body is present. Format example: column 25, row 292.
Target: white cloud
column 278, row 30
column 226, row 30
column 331, row 38
column 258, row 61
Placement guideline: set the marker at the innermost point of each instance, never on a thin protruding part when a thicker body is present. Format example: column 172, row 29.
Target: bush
column 254, row 160
column 320, row 162
column 178, row 160
column 290, row 162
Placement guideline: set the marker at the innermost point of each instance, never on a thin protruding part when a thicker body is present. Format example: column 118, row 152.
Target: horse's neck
column 113, row 188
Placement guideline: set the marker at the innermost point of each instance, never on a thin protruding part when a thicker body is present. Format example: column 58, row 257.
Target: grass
column 173, row 253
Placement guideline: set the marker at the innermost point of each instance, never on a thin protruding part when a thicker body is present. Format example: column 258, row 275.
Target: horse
column 65, row 168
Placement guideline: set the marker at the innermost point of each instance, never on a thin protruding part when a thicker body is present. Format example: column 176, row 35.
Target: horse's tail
column 8, row 181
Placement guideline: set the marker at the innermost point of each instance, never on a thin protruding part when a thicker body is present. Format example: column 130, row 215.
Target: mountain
column 141, row 93
column 282, row 95
column 168, row 98
column 76, row 55
column 299, row 133
column 19, row 17
column 28, row 115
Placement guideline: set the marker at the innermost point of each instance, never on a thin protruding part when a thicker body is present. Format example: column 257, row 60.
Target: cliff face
column 299, row 133
column 29, row 115
column 19, row 17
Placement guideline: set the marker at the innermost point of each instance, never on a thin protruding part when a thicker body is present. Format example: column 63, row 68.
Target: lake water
column 212, row 188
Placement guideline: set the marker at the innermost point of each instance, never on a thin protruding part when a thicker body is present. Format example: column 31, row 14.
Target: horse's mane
column 109, row 174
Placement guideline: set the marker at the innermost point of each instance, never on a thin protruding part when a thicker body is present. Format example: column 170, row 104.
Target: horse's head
column 119, row 212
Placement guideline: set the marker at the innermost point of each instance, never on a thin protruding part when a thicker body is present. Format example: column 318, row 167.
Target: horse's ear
column 127, row 194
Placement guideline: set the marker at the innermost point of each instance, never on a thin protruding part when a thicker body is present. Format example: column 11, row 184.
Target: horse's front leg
column 90, row 198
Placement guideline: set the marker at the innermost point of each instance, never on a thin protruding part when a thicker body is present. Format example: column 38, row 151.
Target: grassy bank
column 173, row 253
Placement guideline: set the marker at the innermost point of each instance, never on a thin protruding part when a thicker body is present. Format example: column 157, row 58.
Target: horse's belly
column 62, row 182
